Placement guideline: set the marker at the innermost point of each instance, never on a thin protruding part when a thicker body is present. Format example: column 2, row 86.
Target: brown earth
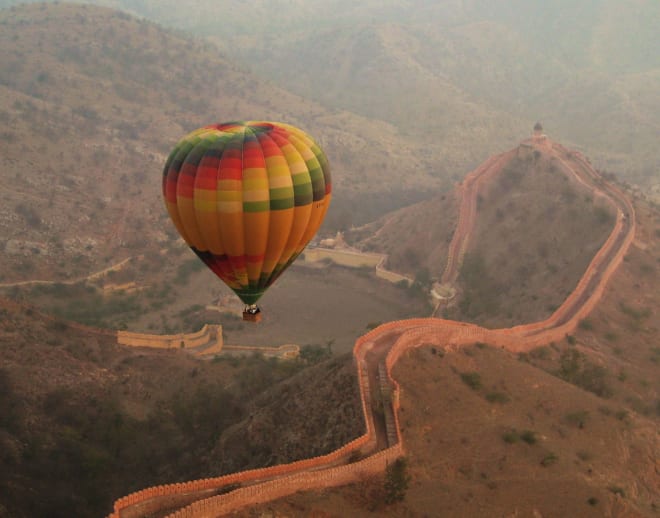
column 528, row 439
column 415, row 238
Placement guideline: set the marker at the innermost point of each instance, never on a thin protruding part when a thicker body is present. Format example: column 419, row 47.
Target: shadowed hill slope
column 415, row 238
column 84, row 420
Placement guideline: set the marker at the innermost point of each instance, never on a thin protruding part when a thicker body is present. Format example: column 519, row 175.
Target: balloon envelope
column 247, row 197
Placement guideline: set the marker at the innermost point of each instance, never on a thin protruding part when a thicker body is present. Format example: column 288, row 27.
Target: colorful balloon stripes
column 247, row 197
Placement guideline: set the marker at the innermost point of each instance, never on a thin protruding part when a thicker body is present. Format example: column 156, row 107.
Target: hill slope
column 536, row 230
column 570, row 428
column 415, row 238
column 92, row 101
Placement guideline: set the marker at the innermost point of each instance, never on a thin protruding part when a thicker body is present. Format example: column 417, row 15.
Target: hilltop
column 536, row 230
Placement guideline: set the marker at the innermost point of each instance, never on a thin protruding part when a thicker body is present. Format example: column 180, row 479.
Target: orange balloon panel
column 247, row 197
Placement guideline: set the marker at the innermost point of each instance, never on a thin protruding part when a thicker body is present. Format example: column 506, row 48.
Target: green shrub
column 584, row 455
column 578, row 370
column 540, row 353
column 510, row 437
column 397, row 480
column 528, row 436
column 497, row 397
column 578, row 418
column 635, row 314
column 549, row 460
column 586, row 324
column 472, row 380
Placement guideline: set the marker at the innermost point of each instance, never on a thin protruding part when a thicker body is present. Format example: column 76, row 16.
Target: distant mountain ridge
column 479, row 69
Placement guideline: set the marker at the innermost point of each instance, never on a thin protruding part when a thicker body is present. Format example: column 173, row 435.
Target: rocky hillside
column 91, row 101
column 479, row 70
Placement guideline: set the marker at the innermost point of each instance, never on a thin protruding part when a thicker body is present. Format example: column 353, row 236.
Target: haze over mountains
column 462, row 77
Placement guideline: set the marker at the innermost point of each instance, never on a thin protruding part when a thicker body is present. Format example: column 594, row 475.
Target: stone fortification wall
column 302, row 481
column 343, row 257
column 258, row 486
column 467, row 212
column 355, row 259
column 390, row 276
column 154, row 498
column 209, row 334
column 151, row 499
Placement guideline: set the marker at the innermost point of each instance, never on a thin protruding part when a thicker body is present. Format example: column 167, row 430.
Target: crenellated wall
column 467, row 212
column 262, row 485
column 343, row 257
column 356, row 259
column 150, row 501
column 208, row 334
column 301, row 481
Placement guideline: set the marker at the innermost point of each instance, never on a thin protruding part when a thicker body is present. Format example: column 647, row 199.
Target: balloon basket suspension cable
column 252, row 313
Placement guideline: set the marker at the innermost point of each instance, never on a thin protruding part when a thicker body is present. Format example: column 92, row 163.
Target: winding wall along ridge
column 277, row 481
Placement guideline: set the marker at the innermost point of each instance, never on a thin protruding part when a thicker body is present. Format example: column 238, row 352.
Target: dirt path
column 92, row 276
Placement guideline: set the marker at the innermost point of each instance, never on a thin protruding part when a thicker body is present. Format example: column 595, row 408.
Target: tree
column 396, row 481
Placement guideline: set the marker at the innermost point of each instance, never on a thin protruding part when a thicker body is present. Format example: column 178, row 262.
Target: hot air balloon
column 247, row 197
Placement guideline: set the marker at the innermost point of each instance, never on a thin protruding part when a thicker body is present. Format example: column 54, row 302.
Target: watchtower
column 538, row 131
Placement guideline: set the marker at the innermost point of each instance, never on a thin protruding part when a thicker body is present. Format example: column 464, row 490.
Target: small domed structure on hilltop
column 538, row 129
